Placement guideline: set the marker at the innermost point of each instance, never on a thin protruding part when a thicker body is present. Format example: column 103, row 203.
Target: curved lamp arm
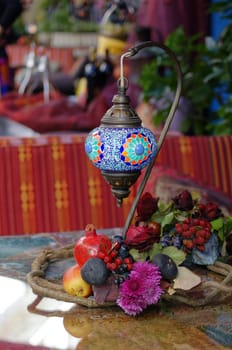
column 132, row 52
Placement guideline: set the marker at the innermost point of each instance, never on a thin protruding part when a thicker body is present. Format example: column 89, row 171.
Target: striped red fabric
column 47, row 184
column 207, row 159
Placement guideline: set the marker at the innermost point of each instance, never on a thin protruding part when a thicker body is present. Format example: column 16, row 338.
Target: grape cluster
column 194, row 233
column 168, row 239
column 118, row 260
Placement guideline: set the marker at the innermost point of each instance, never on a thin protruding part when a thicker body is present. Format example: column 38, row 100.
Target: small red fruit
column 187, row 234
column 201, row 248
column 200, row 233
column 185, row 227
column 113, row 254
column 179, row 228
column 111, row 266
column 199, row 240
column 118, row 261
column 196, row 222
column 207, row 235
column 107, row 259
column 129, row 267
column 127, row 260
column 192, row 229
column 203, row 223
column 188, row 244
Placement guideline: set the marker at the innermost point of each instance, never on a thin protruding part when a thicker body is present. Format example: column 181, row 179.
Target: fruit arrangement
column 154, row 257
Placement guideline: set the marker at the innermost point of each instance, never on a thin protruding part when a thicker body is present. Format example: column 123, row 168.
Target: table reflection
column 103, row 329
column 165, row 326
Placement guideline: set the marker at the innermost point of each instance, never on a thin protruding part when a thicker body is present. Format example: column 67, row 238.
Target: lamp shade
column 120, row 147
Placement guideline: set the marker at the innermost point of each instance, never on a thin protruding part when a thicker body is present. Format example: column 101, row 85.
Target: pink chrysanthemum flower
column 132, row 304
column 147, row 270
column 141, row 289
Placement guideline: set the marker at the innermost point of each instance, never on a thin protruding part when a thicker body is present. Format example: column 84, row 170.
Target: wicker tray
column 216, row 284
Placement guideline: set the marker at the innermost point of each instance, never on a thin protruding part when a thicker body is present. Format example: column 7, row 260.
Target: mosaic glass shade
column 120, row 147
column 127, row 149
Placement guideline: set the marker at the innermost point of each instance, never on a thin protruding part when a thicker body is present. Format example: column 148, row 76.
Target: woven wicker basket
column 215, row 289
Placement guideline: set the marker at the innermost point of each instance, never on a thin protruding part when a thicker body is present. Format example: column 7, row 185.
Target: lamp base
column 120, row 183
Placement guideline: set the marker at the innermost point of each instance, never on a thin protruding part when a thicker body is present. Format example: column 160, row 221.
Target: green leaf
column 177, row 255
column 227, row 227
column 156, row 249
column 181, row 216
column 137, row 256
column 167, row 219
column 228, row 223
column 217, row 224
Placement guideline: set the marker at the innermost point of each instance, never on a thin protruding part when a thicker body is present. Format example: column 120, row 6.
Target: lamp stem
column 122, row 78
column 165, row 129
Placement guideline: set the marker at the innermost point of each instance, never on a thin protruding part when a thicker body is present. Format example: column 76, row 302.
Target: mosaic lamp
column 121, row 147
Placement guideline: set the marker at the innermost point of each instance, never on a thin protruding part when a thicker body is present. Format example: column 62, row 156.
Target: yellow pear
column 74, row 284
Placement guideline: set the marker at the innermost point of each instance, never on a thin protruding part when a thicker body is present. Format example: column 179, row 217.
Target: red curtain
column 164, row 16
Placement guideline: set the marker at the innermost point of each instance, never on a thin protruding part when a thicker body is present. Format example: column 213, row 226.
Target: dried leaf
column 186, row 279
column 171, row 291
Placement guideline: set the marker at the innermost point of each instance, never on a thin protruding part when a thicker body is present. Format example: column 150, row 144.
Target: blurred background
column 69, row 52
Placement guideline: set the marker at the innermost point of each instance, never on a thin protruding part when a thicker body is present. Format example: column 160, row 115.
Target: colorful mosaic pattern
column 136, row 149
column 94, row 147
column 119, row 150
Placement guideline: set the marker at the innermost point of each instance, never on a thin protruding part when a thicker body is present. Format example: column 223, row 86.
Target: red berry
column 111, row 266
column 200, row 247
column 196, row 222
column 107, row 259
column 199, row 240
column 179, row 228
column 185, row 227
column 114, row 266
column 127, row 260
column 108, row 265
column 192, row 229
column 201, row 207
column 207, row 235
column 129, row 267
column 188, row 244
column 187, row 234
column 118, row 261
column 113, row 254
column 200, row 233
column 203, row 223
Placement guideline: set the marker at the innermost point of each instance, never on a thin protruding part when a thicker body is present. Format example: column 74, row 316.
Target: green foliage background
column 207, row 77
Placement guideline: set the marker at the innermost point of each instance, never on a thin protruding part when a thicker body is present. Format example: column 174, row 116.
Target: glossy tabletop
column 60, row 325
